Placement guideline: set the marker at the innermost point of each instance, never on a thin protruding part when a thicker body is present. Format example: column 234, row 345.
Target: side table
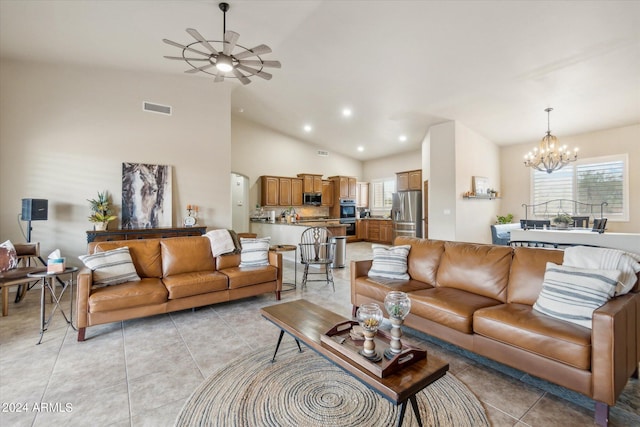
column 48, row 282
column 288, row 248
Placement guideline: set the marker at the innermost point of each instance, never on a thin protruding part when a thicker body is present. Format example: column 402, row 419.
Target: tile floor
column 140, row 372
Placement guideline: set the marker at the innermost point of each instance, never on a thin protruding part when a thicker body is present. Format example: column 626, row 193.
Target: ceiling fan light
column 223, row 63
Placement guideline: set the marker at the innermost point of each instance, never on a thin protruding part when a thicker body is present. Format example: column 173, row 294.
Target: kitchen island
column 629, row 242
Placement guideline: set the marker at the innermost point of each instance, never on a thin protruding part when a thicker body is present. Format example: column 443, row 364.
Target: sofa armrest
column 358, row 269
column 615, row 346
column 275, row 259
column 84, row 282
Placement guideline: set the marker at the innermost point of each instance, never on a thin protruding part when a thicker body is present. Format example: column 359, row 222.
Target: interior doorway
column 239, row 203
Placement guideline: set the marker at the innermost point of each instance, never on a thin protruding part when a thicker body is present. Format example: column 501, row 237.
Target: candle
column 196, row 208
column 188, row 207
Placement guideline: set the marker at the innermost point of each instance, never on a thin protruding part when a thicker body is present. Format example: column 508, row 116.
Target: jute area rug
column 304, row 389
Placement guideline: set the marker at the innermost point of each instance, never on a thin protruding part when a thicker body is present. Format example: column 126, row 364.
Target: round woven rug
column 304, row 389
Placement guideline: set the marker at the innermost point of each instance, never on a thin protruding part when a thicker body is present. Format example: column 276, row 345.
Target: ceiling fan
column 229, row 61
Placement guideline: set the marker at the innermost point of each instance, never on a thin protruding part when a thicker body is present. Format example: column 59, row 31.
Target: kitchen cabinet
column 312, row 183
column 345, row 187
column 270, row 190
column 353, row 188
column 409, row 180
column 386, row 232
column 284, row 195
column 296, row 191
column 327, row 193
column 362, row 194
column 362, row 229
column 373, row 230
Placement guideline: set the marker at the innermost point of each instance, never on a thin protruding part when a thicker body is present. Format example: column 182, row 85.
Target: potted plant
column 504, row 219
column 562, row 220
column 101, row 212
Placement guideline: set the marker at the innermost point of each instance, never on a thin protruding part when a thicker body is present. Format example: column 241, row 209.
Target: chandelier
column 549, row 156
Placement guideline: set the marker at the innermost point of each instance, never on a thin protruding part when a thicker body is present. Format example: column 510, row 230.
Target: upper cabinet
column 409, row 180
column 327, row 193
column 312, row 183
column 270, row 186
column 296, row 191
column 344, row 186
column 285, row 191
column 362, row 194
column 281, row 191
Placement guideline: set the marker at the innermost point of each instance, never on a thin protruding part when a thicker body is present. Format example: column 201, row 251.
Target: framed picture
column 146, row 196
column 480, row 185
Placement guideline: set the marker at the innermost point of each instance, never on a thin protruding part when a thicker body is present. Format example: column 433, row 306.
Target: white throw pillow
column 255, row 252
column 390, row 262
column 573, row 294
column 111, row 267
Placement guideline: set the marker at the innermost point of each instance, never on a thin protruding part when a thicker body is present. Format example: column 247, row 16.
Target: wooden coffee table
column 306, row 322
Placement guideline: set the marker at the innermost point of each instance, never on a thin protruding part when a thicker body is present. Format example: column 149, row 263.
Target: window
column 382, row 193
column 592, row 181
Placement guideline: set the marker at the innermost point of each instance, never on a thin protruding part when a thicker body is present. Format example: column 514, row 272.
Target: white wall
column 515, row 184
column 387, row 167
column 65, row 131
column 442, row 182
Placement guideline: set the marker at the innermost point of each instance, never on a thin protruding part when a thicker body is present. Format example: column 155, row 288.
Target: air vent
column 323, row 153
column 156, row 108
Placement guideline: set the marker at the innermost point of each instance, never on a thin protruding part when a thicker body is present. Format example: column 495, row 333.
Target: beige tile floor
column 140, row 372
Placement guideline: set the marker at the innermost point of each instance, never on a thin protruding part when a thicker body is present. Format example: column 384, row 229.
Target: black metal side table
column 288, row 248
column 48, row 282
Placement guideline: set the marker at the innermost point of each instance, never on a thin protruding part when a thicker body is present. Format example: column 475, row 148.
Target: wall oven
column 348, row 215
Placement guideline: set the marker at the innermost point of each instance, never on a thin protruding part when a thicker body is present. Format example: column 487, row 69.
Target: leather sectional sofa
column 176, row 274
column 480, row 297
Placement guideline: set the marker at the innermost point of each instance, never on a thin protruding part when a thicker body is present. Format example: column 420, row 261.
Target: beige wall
column 442, row 181
column 515, row 183
column 387, row 167
column 65, row 131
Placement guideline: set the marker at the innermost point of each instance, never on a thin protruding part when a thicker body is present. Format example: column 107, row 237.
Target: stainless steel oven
column 348, row 215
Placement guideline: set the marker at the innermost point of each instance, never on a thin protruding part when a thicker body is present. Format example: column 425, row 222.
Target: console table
column 143, row 233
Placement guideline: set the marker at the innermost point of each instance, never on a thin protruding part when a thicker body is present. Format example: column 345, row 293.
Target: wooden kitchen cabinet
column 311, row 183
column 270, row 190
column 409, row 180
column 285, row 191
column 327, row 193
column 345, row 186
column 362, row 232
column 386, row 232
column 296, row 191
column 353, row 188
column 362, row 194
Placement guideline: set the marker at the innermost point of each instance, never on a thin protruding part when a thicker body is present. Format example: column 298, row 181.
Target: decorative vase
column 100, row 226
column 398, row 306
column 369, row 317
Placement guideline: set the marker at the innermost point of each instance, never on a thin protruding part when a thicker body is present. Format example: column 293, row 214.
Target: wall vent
column 323, row 153
column 156, row 108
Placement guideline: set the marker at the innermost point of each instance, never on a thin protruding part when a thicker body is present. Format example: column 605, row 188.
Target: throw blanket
column 221, row 242
column 606, row 259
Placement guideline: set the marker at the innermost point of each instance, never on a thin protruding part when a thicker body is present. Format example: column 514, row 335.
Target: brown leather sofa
column 480, row 297
column 176, row 274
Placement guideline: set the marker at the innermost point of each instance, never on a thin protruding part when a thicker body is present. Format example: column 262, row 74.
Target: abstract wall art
column 146, row 196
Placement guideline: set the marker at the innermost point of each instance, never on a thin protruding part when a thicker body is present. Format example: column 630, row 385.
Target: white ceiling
column 402, row 66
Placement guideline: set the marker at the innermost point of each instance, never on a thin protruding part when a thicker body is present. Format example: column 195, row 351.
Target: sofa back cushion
column 186, row 255
column 424, row 257
column 477, row 268
column 145, row 254
column 527, row 273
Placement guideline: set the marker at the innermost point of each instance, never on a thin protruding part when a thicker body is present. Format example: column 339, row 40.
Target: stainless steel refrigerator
column 406, row 214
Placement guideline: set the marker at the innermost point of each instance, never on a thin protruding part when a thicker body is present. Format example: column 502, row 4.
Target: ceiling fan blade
column 243, row 79
column 258, row 50
column 230, row 40
column 195, row 70
column 258, row 63
column 262, row 74
column 181, row 46
column 196, row 35
column 188, row 59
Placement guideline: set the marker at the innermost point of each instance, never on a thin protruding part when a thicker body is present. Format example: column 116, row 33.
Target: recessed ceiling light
column 361, row 148
column 402, row 138
column 307, row 128
column 347, row 112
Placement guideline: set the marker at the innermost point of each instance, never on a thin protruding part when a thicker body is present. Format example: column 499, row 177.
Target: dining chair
column 599, row 225
column 317, row 250
column 580, row 221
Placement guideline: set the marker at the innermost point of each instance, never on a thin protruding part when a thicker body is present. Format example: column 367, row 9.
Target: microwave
column 314, row 199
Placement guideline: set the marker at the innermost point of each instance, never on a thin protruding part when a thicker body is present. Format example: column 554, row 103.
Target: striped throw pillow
column 255, row 252
column 390, row 262
column 573, row 294
column 111, row 267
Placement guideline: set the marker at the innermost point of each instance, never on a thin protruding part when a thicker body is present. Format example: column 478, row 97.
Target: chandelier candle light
column 398, row 306
column 549, row 156
column 370, row 317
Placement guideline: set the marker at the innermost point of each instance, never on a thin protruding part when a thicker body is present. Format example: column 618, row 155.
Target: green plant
column 100, row 209
column 505, row 219
column 563, row 219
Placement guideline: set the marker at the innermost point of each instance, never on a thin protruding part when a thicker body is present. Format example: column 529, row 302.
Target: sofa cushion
column 424, row 258
column 377, row 287
column 390, row 262
column 527, row 273
column 148, row 291
column 521, row 326
column 196, row 283
column 255, row 252
column 8, row 256
column 246, row 276
column 449, row 306
column 572, row 294
column 145, row 254
column 111, row 267
column 186, row 255
column 476, row 268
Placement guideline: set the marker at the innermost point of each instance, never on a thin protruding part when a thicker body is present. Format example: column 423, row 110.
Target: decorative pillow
column 572, row 294
column 390, row 262
column 8, row 256
column 111, row 267
column 255, row 252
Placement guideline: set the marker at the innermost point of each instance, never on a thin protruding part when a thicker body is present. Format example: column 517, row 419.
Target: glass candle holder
column 370, row 318
column 398, row 306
